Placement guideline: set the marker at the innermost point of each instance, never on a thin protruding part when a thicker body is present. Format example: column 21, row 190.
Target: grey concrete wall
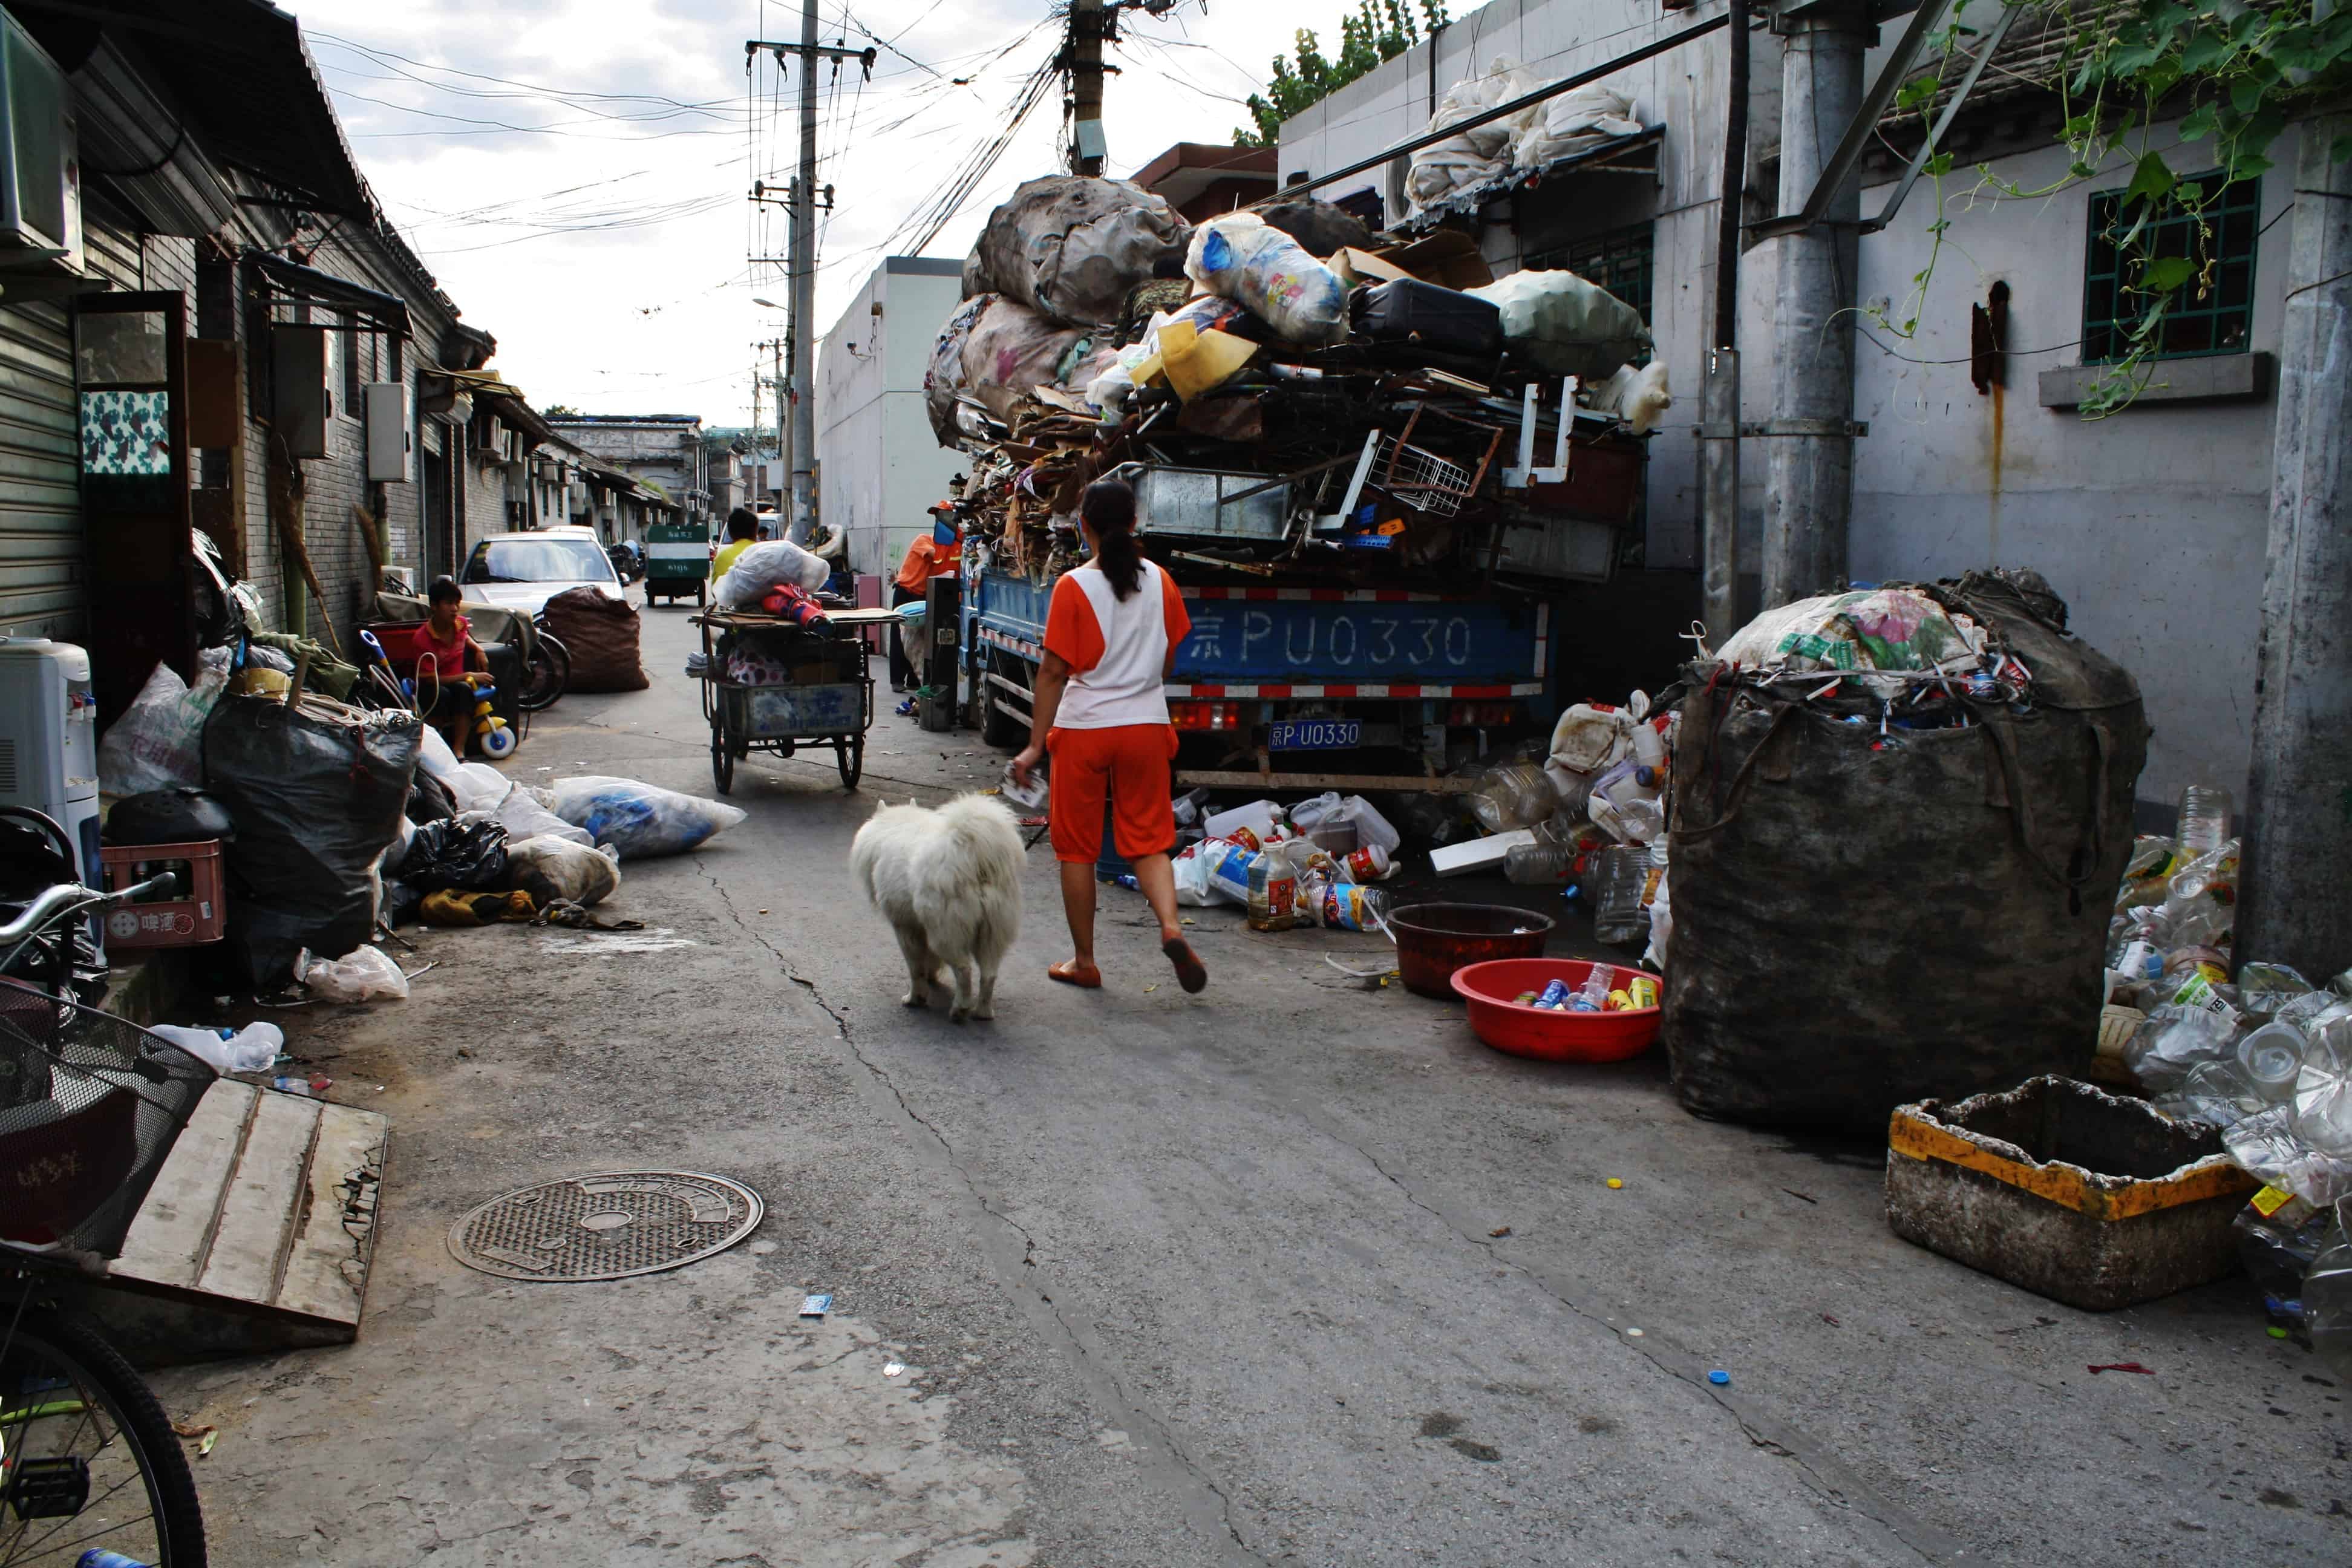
column 880, row 463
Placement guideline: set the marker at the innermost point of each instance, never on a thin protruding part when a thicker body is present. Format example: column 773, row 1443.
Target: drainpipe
column 1808, row 498
column 1720, row 386
column 2298, row 824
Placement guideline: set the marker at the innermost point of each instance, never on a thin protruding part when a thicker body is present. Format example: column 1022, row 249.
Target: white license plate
column 1314, row 734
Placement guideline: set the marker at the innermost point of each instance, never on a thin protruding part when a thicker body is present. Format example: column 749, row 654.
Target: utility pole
column 1720, row 389
column 1810, row 496
column 783, row 452
column 800, row 267
column 1090, row 23
column 2298, row 822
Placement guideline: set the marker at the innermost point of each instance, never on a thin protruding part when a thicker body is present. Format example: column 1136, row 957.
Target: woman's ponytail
column 1109, row 507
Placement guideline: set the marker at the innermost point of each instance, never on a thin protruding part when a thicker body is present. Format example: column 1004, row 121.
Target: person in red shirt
column 1111, row 632
column 926, row 558
column 445, row 643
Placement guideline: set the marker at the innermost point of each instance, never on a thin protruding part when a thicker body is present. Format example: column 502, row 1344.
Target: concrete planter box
column 2066, row 1190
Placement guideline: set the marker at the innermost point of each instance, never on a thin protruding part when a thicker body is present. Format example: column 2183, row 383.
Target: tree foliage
column 1380, row 31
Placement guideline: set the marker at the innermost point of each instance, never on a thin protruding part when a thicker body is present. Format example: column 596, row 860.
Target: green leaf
column 2339, row 150
column 2204, row 51
column 2188, row 192
column 2159, row 77
column 2150, row 181
column 1919, row 90
column 2198, row 124
column 2165, row 273
column 1937, row 167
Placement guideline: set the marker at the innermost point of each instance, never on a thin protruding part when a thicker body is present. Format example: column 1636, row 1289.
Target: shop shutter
column 44, row 583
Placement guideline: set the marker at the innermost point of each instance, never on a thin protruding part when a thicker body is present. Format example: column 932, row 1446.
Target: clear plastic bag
column 249, row 1049
column 639, row 819
column 2323, row 1092
column 524, row 815
column 2267, row 1147
column 363, row 975
column 1242, row 257
column 548, row 868
column 2171, row 1041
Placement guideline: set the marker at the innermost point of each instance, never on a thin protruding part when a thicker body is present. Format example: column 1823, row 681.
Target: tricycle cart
column 817, row 690
column 677, row 560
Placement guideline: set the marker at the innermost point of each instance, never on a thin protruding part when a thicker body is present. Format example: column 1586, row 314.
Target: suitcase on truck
column 1406, row 309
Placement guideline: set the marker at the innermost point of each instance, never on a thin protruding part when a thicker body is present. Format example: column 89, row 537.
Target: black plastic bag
column 429, row 799
column 316, row 801
column 1857, row 924
column 467, row 855
column 169, row 817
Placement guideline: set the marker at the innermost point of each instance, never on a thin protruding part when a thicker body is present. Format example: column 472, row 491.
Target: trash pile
column 1399, row 404
column 1313, row 864
column 1560, row 127
column 2264, row 1054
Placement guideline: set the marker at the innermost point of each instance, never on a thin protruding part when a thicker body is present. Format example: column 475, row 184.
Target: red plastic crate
column 197, row 916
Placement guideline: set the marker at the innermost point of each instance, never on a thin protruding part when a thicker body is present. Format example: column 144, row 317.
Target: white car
column 523, row 571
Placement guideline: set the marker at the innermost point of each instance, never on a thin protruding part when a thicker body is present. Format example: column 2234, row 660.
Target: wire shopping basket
column 89, row 1108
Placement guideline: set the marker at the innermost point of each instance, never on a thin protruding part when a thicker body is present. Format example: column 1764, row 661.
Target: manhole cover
column 605, row 1226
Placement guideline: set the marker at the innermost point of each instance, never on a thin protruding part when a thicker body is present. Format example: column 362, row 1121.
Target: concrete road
column 1290, row 1272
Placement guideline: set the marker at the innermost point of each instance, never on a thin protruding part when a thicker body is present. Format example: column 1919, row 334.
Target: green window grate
column 2220, row 321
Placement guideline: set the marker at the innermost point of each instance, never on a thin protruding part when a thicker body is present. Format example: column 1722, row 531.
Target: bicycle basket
column 89, row 1106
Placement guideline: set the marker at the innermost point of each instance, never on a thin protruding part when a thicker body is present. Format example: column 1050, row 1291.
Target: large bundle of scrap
column 1286, row 412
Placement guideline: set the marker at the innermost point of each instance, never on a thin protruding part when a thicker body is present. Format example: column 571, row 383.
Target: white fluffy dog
column 949, row 881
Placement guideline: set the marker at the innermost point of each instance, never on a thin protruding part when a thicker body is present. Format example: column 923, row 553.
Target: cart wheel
column 851, row 757
column 722, row 763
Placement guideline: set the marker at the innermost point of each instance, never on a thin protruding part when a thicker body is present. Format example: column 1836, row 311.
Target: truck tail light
column 1502, row 713
column 1205, row 715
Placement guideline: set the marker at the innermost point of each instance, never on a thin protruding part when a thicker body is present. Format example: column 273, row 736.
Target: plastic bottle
column 288, row 1084
column 1349, row 906
column 2204, row 819
column 1619, row 917
column 98, row 1558
column 1593, row 996
column 2272, row 1059
column 2323, row 1090
column 2328, row 1299
column 1554, row 996
column 249, row 1049
column 1367, row 863
column 1273, row 894
column 1538, row 865
column 1512, row 795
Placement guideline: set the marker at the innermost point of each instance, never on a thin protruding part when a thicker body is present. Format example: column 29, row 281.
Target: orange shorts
column 1127, row 765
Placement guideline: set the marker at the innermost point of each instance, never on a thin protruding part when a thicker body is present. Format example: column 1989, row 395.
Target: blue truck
column 1296, row 688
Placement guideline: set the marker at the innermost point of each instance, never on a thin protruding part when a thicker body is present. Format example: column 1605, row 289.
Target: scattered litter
column 1833, row 1322
column 1633, row 1333
column 565, row 912
column 1500, row 1231
column 1615, row 1184
column 1800, row 1196
column 764, row 912
column 1149, row 989
column 2124, row 1366
column 1718, row 1378
column 894, row 1369
column 816, row 1306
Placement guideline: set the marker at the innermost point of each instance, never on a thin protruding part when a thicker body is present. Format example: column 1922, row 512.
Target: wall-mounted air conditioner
column 40, row 176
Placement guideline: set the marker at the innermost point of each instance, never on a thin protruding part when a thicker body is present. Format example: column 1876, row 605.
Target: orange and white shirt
column 1117, row 649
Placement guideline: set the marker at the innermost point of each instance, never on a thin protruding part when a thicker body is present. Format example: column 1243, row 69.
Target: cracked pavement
column 1293, row 1272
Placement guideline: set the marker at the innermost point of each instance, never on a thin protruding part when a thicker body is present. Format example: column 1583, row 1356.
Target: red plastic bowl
column 1540, row 1032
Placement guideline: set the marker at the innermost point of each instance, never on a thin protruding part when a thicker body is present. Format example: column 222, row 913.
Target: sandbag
column 943, row 378
column 639, row 819
column 1069, row 248
column 1573, row 122
column 1857, row 923
column 600, row 633
column 550, row 869
column 1240, row 257
column 316, row 801
column 1560, row 323
column 1012, row 350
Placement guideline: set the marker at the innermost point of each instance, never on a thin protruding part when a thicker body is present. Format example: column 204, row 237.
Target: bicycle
column 89, row 1106
column 549, row 670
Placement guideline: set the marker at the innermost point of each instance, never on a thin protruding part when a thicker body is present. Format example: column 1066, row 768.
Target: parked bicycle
column 89, row 1106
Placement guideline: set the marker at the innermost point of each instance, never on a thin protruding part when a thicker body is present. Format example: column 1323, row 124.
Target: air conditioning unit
column 40, row 178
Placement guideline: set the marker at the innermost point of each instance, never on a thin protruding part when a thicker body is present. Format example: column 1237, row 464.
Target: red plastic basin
column 1540, row 1032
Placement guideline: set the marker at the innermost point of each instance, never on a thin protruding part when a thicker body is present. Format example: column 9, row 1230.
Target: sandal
column 1189, row 972
column 1070, row 972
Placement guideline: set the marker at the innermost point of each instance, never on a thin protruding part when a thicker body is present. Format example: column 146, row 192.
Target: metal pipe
column 2298, row 821
column 1719, row 388
column 1808, row 498
column 1734, row 187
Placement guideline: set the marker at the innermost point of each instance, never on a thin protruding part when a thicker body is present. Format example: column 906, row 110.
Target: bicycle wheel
column 550, row 672
column 91, row 1460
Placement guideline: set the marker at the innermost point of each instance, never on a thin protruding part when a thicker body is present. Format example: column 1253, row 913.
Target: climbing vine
column 2232, row 75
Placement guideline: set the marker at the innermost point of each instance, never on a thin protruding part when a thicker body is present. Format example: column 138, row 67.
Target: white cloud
column 605, row 244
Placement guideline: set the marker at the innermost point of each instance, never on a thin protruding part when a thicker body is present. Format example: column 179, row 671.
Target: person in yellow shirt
column 743, row 533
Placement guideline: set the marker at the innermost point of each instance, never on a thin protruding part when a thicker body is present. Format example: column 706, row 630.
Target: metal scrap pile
column 1341, row 411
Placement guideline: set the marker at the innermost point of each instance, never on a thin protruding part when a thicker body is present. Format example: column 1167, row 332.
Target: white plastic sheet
column 1565, row 324
column 158, row 741
column 767, row 565
column 363, row 975
column 639, row 819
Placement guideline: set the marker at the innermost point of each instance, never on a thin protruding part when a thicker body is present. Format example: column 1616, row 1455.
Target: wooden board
column 172, row 1233
column 326, row 1265
column 260, row 1205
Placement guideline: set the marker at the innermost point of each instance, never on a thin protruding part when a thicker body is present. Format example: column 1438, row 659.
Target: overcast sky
column 580, row 192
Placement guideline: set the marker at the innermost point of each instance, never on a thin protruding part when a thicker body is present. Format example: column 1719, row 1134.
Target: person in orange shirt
column 926, row 558
column 1111, row 634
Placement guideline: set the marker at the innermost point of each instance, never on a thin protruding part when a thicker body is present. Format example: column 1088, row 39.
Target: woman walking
column 1111, row 634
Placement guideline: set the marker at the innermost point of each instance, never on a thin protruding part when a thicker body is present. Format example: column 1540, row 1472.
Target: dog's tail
column 985, row 831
